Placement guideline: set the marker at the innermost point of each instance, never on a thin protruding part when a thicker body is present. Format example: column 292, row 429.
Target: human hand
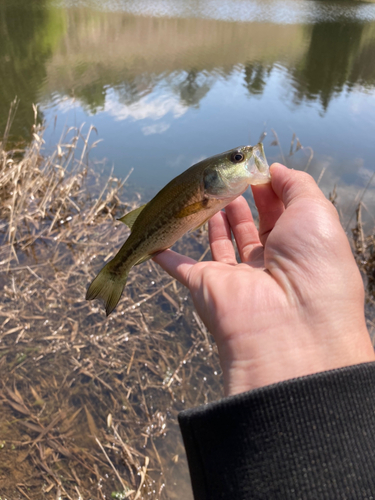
column 294, row 305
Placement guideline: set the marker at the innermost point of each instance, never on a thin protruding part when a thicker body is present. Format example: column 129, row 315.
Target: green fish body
column 185, row 203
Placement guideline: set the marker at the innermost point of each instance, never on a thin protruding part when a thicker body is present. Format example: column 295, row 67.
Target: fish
column 184, row 204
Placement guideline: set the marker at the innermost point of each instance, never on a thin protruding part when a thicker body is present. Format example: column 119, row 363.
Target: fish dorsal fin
column 130, row 218
column 192, row 209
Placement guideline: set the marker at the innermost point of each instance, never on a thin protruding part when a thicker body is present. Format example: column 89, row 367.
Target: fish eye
column 237, row 157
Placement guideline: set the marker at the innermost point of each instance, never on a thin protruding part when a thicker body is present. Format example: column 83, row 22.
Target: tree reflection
column 363, row 67
column 89, row 54
column 340, row 55
column 92, row 97
column 29, row 32
column 193, row 88
column 255, row 77
column 328, row 62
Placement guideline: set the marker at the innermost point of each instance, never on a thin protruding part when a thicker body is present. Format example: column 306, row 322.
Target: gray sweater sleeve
column 306, row 438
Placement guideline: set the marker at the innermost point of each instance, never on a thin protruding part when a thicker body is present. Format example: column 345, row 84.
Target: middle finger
column 243, row 227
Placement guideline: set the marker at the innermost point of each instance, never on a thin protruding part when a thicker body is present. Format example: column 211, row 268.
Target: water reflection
column 256, row 76
column 193, row 88
column 274, row 11
column 321, row 58
column 153, row 107
column 29, row 35
column 328, row 64
column 84, row 53
column 195, row 77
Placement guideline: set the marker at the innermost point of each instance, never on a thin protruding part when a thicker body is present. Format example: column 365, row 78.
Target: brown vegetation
column 364, row 252
column 88, row 404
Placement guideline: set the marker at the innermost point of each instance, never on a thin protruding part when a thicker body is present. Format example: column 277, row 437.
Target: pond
column 164, row 84
column 167, row 83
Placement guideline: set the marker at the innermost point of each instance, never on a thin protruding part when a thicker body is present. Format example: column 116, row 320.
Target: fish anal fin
column 143, row 259
column 130, row 218
column 150, row 256
column 192, row 209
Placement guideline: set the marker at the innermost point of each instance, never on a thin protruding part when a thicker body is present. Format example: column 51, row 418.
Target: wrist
column 287, row 357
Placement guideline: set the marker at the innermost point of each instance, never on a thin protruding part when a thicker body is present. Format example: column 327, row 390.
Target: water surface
column 167, row 83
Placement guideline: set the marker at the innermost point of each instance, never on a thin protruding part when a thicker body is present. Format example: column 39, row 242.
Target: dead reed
column 364, row 252
column 88, row 404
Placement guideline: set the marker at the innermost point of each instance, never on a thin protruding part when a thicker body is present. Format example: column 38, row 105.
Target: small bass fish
column 186, row 203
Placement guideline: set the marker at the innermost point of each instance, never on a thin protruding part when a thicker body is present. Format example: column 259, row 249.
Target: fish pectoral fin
column 193, row 208
column 130, row 218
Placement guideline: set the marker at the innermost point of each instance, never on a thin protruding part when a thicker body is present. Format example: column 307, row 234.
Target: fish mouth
column 260, row 158
column 257, row 164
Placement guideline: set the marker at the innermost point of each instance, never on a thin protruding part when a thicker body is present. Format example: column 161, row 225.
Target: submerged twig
column 128, row 493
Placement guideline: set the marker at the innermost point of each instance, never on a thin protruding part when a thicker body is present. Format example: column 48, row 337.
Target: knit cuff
column 312, row 437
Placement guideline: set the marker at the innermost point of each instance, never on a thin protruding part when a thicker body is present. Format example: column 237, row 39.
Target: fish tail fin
column 108, row 287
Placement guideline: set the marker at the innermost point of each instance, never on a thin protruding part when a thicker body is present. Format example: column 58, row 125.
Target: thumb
column 292, row 185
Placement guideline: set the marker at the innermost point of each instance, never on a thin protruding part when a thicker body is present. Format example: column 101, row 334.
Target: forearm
column 311, row 438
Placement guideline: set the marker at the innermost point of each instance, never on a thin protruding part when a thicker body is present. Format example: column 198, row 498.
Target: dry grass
column 364, row 252
column 88, row 404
